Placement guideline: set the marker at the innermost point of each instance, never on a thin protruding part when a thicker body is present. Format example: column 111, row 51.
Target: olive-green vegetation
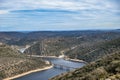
column 28, row 38
column 6, row 51
column 87, row 47
column 95, row 51
column 53, row 46
column 12, row 62
column 106, row 68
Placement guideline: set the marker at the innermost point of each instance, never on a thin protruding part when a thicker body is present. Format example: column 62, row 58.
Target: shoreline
column 75, row 60
column 42, row 69
column 43, row 56
column 68, row 59
column 29, row 72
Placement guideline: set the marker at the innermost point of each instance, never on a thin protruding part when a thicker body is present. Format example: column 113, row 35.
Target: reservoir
column 47, row 74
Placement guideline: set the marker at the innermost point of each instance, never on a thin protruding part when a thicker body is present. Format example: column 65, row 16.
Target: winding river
column 46, row 74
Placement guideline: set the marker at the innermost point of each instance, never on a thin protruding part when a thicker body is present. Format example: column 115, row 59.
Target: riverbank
column 43, row 56
column 26, row 73
column 75, row 60
column 68, row 59
column 47, row 74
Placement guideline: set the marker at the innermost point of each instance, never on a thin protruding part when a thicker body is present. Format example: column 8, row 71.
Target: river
column 46, row 74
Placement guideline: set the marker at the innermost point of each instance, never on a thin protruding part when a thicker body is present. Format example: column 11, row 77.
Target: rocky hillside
column 12, row 62
column 106, row 68
column 7, row 51
column 87, row 47
column 93, row 52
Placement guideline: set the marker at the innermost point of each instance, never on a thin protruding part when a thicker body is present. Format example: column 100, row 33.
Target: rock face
column 13, row 63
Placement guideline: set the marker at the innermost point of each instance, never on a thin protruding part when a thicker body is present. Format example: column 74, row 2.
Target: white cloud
column 92, row 12
column 4, row 11
column 57, row 4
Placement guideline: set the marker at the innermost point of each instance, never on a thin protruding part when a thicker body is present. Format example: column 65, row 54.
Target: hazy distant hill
column 12, row 62
column 11, row 37
column 24, row 38
column 106, row 68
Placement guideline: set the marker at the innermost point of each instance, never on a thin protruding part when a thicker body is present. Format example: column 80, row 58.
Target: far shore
column 69, row 59
column 43, row 56
column 26, row 73
column 77, row 60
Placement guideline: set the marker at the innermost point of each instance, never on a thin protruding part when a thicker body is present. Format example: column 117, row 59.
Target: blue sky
column 45, row 15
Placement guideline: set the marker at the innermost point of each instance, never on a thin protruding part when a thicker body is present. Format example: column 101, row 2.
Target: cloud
column 4, row 11
column 57, row 4
column 59, row 13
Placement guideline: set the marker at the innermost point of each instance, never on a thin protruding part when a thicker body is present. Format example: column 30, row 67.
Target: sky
column 46, row 15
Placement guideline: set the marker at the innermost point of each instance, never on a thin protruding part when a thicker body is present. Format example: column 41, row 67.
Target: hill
column 28, row 38
column 87, row 47
column 93, row 52
column 106, row 68
column 12, row 62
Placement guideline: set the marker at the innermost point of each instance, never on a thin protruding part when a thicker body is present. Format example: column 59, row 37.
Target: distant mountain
column 106, row 68
column 25, row 38
column 11, row 37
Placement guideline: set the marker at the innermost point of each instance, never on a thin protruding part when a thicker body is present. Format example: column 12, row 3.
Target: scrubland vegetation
column 105, row 68
column 12, row 62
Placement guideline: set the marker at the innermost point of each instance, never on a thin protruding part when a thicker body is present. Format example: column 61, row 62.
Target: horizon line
column 58, row 30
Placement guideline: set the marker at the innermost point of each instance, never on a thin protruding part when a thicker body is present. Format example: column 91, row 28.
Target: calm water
column 46, row 74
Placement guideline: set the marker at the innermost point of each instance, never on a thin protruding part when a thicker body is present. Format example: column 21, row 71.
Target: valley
column 92, row 47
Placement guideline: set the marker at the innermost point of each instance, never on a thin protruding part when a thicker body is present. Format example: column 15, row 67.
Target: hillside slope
column 107, row 68
column 88, row 47
column 27, row 38
column 12, row 62
column 93, row 52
